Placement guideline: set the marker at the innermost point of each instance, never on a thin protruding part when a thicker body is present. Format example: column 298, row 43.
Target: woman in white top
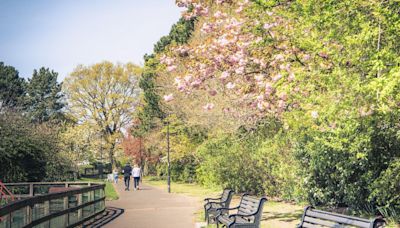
column 115, row 173
column 136, row 176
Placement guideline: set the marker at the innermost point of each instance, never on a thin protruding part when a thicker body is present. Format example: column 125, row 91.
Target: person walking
column 136, row 172
column 115, row 173
column 127, row 175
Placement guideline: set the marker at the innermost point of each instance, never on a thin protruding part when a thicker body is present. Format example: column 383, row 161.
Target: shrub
column 386, row 190
column 29, row 152
column 338, row 165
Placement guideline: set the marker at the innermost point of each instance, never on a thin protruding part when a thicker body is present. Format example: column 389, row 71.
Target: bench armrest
column 241, row 215
column 209, row 199
column 234, row 216
column 222, row 209
column 228, row 209
column 209, row 205
column 214, row 203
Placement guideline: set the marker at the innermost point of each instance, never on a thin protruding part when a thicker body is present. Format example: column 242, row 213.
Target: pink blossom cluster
column 196, row 8
column 169, row 62
column 229, row 57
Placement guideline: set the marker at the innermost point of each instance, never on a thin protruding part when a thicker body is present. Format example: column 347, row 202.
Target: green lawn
column 276, row 214
column 183, row 188
column 111, row 194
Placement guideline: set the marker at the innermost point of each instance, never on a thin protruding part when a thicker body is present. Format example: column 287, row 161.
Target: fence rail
column 52, row 204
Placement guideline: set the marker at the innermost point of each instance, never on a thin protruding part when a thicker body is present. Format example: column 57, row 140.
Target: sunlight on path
column 151, row 208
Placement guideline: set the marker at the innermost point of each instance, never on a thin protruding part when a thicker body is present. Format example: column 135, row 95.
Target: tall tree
column 44, row 96
column 104, row 95
column 150, row 109
column 11, row 87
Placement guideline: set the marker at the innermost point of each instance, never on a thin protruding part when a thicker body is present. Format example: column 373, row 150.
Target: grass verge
column 193, row 190
column 276, row 214
column 111, row 193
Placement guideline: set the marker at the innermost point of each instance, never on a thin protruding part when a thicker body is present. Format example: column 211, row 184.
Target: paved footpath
column 151, row 207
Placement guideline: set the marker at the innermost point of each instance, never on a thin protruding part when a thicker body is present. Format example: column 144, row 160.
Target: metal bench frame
column 212, row 204
column 249, row 212
column 317, row 218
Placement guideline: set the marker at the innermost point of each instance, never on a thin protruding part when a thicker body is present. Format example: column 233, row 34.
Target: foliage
column 12, row 87
column 180, row 33
column 79, row 143
column 247, row 162
column 44, row 96
column 103, row 96
column 133, row 148
column 29, row 152
column 150, row 114
column 297, row 99
column 386, row 190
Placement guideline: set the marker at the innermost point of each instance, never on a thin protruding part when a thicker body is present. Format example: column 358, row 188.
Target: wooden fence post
column 28, row 218
column 31, row 189
column 47, row 211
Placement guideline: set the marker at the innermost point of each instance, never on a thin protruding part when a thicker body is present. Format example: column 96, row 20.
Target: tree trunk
column 111, row 155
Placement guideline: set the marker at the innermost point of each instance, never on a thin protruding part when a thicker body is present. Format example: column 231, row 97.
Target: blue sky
column 61, row 34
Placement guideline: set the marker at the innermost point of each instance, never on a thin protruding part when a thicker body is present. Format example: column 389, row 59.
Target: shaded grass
column 111, row 193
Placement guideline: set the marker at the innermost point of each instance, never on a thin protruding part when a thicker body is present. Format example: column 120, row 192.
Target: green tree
column 150, row 101
column 28, row 151
column 104, row 96
column 44, row 96
column 12, row 89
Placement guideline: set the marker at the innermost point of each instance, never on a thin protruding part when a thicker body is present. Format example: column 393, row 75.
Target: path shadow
column 109, row 215
column 144, row 188
column 141, row 189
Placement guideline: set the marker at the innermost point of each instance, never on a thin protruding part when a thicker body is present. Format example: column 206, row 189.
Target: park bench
column 212, row 204
column 248, row 213
column 316, row 218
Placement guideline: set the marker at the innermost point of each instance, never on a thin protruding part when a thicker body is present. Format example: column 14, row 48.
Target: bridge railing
column 52, row 204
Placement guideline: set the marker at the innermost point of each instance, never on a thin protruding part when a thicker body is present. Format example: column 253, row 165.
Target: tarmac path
column 151, row 207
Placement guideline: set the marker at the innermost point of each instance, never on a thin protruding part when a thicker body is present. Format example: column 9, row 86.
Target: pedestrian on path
column 115, row 173
column 127, row 175
column 136, row 172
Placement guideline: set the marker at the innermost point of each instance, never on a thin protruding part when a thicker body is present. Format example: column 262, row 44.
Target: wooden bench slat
column 309, row 225
column 325, row 223
column 225, row 219
column 251, row 199
column 342, row 215
column 243, row 220
column 225, row 195
column 245, row 212
column 248, row 207
column 339, row 219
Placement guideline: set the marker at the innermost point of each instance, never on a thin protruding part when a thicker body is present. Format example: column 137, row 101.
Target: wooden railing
column 52, row 204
